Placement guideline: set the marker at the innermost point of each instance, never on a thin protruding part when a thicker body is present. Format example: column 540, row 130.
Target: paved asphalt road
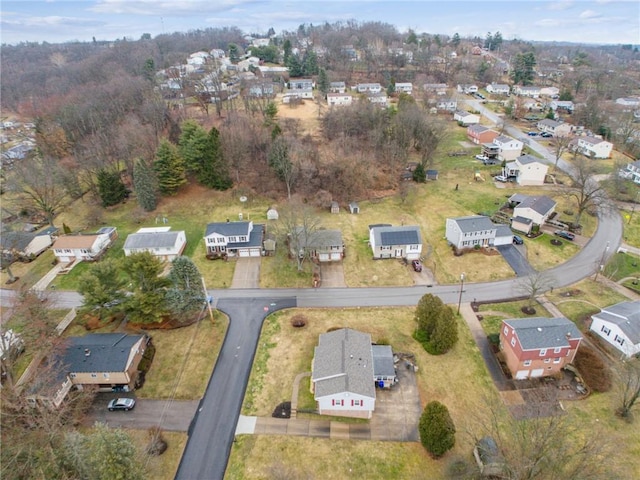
column 212, row 429
column 516, row 260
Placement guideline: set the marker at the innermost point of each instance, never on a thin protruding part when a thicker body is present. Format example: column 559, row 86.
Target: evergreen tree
column 437, row 430
column 186, row 294
column 310, row 63
column 497, row 42
column 286, row 49
column 169, row 168
column 455, row 41
column 110, row 188
column 102, row 285
column 323, row 81
column 445, row 333
column 437, row 328
column 215, row 171
column 234, row 53
column 419, row 175
column 523, row 65
column 295, row 66
column 412, row 37
column 145, row 186
column 147, row 304
column 193, row 146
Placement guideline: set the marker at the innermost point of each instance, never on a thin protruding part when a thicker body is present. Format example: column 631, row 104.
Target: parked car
column 417, row 266
column 546, row 135
column 517, row 239
column 480, row 96
column 500, row 178
column 564, row 234
column 121, row 404
column 533, row 134
column 482, row 158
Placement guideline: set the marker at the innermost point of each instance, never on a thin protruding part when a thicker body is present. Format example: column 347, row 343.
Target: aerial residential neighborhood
column 335, row 249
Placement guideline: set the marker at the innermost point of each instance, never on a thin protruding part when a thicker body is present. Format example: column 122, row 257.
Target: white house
column 504, row 148
column 535, row 209
column 447, row 104
column 300, row 94
column 467, row 232
column 159, row 241
column 562, row 105
column 532, row 92
column 528, row 170
column 379, row 99
column 395, row 242
column 342, row 376
column 301, row 84
column 498, row 88
column 557, row 129
column 437, row 88
column 594, row 147
column 24, row 245
column 467, row 88
column 369, row 88
column 337, row 87
column 243, row 239
column 631, row 171
column 619, row 325
column 549, row 91
column 466, row 118
column 628, row 101
column 88, row 247
column 340, row 99
column 406, row 87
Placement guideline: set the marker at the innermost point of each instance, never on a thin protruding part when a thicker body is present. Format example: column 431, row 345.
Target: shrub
column 437, row 431
column 298, row 321
column 593, row 370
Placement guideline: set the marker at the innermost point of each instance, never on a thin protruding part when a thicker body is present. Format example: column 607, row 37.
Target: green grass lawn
column 622, row 265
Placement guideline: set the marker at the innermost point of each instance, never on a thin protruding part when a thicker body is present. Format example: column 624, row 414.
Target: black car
column 517, row 239
column 564, row 234
column 546, row 135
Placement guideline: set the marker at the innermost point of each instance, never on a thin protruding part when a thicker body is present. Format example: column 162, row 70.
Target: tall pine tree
column 145, row 186
column 215, row 171
column 169, row 168
column 110, row 188
column 193, row 146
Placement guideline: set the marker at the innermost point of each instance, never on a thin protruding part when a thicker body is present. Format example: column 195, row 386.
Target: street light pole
column 461, row 287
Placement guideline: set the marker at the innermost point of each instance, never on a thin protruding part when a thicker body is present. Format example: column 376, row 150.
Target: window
column 72, row 375
column 557, row 350
column 513, row 342
column 105, row 375
column 543, row 352
column 93, row 375
column 619, row 339
column 605, row 330
column 547, row 360
column 527, row 363
column 556, row 360
column 506, row 330
column 356, row 403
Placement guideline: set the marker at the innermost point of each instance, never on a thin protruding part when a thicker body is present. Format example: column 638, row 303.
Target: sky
column 583, row 21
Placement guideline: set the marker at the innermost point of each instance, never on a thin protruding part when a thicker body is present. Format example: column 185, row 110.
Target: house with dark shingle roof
column 538, row 347
column 160, row 242
column 395, row 242
column 535, row 210
column 467, row 232
column 619, row 325
column 107, row 360
column 342, row 377
column 527, row 169
column 243, row 239
column 321, row 245
column 24, row 245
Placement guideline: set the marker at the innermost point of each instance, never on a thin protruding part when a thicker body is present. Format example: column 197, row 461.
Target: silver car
column 121, row 404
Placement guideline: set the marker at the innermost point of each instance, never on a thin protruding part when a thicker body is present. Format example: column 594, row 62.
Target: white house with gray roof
column 159, row 241
column 467, row 232
column 342, row 376
column 537, row 209
column 498, row 88
column 321, row 245
column 619, row 325
column 395, row 242
column 243, row 239
column 592, row 147
column 527, row 169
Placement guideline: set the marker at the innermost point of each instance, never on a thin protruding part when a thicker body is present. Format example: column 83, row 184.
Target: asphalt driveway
column 516, row 260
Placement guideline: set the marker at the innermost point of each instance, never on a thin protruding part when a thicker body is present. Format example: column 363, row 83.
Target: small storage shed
column 272, row 214
column 354, row 207
column 335, row 208
column 432, row 174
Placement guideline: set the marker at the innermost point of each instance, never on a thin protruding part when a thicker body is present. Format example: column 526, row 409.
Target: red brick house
column 538, row 347
column 480, row 134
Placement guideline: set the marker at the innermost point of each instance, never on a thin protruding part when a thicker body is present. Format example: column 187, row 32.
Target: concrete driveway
column 516, row 260
column 247, row 273
column 332, row 275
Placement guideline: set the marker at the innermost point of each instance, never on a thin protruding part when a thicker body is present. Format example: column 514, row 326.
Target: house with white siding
column 557, row 129
column 243, row 239
column 342, row 375
column 337, row 87
column 395, row 242
column 498, row 88
column 527, row 169
column 466, row 118
column 631, row 171
column 160, row 242
column 339, row 99
column 593, row 147
column 531, row 92
column 369, row 88
column 406, row 87
column 467, row 232
column 534, row 209
column 504, row 148
column 619, row 325
column 84, row 247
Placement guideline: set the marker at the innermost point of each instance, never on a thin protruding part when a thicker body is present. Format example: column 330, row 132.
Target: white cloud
column 164, row 7
column 587, row 14
column 561, row 5
column 547, row 22
column 54, row 21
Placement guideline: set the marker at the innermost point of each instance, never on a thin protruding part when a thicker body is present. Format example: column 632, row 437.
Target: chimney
column 87, row 352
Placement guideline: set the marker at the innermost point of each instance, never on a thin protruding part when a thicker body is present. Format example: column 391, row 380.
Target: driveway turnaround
column 516, row 260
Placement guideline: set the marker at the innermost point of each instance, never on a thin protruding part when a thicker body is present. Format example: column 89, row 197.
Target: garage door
column 323, row 257
column 522, row 374
column 413, row 256
column 537, row 372
column 254, row 252
column 243, row 252
column 336, row 256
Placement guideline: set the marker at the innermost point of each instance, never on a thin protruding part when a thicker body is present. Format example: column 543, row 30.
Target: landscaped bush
column 437, row 431
column 593, row 370
column 298, row 321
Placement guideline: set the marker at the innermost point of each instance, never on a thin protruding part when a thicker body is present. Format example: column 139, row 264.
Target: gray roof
column 548, row 122
column 151, row 240
column 404, row 235
column 626, row 316
column 541, row 204
column 523, row 220
column 462, row 113
column 320, row 238
column 478, row 128
column 343, row 362
column 17, row 241
column 539, row 332
column 474, row 223
column 227, row 229
column 527, row 159
column 255, row 238
column 108, row 352
column 383, row 361
column 503, row 231
column 503, row 139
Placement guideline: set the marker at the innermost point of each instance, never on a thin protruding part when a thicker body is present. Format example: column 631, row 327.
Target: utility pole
column 461, row 287
column 601, row 264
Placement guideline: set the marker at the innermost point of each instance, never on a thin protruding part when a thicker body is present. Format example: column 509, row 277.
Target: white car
column 500, row 178
column 482, row 158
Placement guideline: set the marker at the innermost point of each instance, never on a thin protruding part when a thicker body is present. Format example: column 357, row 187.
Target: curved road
column 213, row 427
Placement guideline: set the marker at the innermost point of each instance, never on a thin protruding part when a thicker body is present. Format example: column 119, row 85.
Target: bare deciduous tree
column 533, row 285
column 298, row 225
column 628, row 386
column 585, row 188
